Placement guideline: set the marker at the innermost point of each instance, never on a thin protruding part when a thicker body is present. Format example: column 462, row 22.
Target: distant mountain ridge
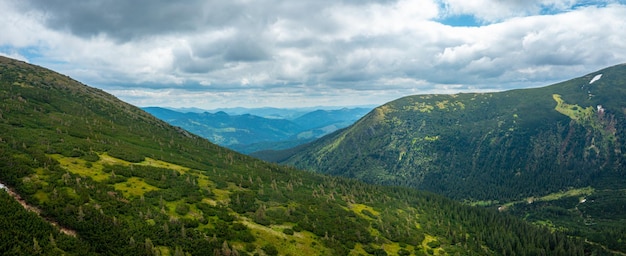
column 247, row 133
column 270, row 112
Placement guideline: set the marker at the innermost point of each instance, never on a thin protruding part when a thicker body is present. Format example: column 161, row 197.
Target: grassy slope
column 497, row 147
column 517, row 143
column 129, row 184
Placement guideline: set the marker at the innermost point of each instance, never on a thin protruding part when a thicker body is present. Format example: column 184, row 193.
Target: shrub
column 182, row 209
column 270, row 249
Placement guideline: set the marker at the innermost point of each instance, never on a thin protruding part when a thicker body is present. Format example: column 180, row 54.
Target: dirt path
column 36, row 210
column 604, row 247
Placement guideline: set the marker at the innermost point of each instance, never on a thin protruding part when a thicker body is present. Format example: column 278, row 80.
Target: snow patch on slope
column 595, row 78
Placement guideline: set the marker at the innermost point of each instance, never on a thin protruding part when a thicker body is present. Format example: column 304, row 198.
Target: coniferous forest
column 99, row 176
column 553, row 156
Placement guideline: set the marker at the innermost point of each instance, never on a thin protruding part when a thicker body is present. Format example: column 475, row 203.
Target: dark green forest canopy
column 485, row 146
column 497, row 149
column 129, row 184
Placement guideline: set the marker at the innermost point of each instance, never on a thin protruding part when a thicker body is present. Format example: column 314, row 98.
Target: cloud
column 128, row 20
column 566, row 41
column 270, row 52
column 490, row 11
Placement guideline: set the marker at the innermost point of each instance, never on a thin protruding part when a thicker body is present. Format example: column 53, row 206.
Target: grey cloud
column 125, row 20
column 206, row 55
column 304, row 47
column 185, row 63
column 246, row 49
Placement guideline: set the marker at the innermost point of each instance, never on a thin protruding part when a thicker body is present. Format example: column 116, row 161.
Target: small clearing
column 574, row 111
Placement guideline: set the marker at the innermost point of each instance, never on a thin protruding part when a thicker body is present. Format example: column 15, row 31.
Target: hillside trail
column 605, row 248
column 37, row 211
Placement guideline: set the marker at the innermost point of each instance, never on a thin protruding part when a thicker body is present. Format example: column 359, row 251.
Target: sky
column 270, row 53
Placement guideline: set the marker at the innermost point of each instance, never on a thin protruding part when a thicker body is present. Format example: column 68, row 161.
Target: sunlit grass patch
column 483, row 203
column 81, row 167
column 203, row 181
column 431, row 243
column 431, row 138
column 575, row 192
column 574, row 111
column 550, row 225
column 194, row 212
column 221, row 195
column 394, row 248
column 209, row 201
column 300, row 243
column 70, row 192
column 569, row 193
column 39, row 177
column 162, row 164
column 163, row 250
column 106, row 159
column 364, row 211
column 41, row 172
column 41, row 196
column 358, row 250
column 134, row 187
column 421, row 107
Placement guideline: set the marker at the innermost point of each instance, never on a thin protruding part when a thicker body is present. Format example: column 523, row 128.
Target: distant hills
column 97, row 176
column 271, row 112
column 266, row 129
column 554, row 155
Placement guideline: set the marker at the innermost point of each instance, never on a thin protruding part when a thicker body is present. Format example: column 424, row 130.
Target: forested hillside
column 496, row 149
column 515, row 144
column 120, row 182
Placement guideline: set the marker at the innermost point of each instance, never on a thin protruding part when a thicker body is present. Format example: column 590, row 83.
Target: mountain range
column 554, row 155
column 271, row 112
column 84, row 173
column 247, row 133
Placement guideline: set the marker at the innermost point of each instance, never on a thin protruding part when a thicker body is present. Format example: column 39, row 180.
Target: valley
column 127, row 183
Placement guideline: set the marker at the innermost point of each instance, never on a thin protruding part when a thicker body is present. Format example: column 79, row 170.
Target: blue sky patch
column 461, row 21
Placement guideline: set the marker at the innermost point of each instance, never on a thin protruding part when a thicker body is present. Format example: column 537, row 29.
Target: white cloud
column 490, row 11
column 14, row 55
column 311, row 52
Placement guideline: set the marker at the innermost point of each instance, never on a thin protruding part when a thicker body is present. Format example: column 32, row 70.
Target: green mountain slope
column 497, row 149
column 118, row 181
column 505, row 145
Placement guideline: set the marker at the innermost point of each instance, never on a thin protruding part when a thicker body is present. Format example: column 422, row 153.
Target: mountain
column 247, row 133
column 266, row 112
column 281, row 113
column 564, row 143
column 518, row 143
column 94, row 175
column 336, row 119
column 227, row 130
